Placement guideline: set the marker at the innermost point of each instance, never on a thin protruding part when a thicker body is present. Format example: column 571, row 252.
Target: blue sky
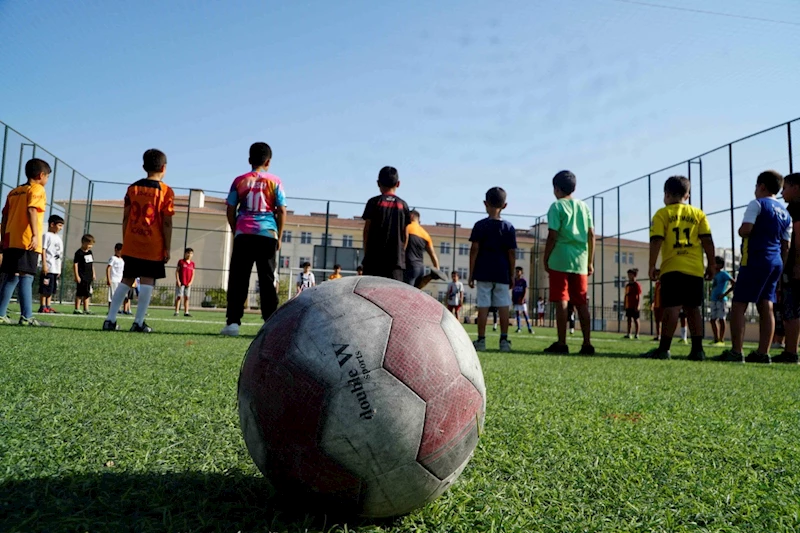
column 459, row 96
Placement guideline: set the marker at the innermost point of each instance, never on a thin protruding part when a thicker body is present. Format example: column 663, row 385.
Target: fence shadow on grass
column 190, row 501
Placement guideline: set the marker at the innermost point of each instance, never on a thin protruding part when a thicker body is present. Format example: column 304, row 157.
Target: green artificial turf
column 122, row 432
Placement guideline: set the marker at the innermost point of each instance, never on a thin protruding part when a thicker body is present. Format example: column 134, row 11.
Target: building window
column 463, row 249
column 519, row 253
column 287, row 236
column 327, row 238
column 445, row 271
column 347, row 241
column 462, row 273
column 444, row 248
column 624, row 258
column 442, row 294
column 630, row 258
column 618, row 282
column 616, row 257
column 305, row 237
column 286, row 261
column 617, row 307
column 304, row 260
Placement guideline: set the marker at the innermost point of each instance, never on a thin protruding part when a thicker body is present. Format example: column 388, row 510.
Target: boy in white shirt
column 305, row 280
column 114, row 273
column 53, row 252
column 455, row 295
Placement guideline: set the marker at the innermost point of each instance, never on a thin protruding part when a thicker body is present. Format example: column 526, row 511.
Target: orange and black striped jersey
column 418, row 241
column 19, row 233
column 148, row 202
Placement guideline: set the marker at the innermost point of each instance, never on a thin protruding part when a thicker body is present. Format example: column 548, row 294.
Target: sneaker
column 505, row 345
column 42, row 309
column 5, row 320
column 88, row 313
column 76, row 312
column 786, row 357
column 636, row 337
column 656, row 339
column 755, row 357
column 144, row 328
column 33, row 322
column 175, row 313
column 572, row 332
column 697, row 355
column 187, row 314
column 657, row 353
column 587, row 349
column 729, row 356
column 110, row 326
column 530, row 331
column 232, row 330
column 52, row 311
column 494, row 327
column 557, row 348
column 684, row 341
column 626, row 337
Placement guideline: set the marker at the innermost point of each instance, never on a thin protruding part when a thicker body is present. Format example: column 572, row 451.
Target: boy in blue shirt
column 766, row 231
column 790, row 288
column 491, row 266
column 721, row 286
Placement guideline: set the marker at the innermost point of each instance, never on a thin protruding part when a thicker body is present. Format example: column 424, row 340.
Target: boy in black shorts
column 83, row 268
column 385, row 219
column 681, row 234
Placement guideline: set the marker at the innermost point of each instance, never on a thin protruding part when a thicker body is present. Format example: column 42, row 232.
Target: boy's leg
column 504, row 317
column 737, row 326
column 668, row 326
column 525, row 315
column 483, row 316
column 629, row 326
column 518, row 320
column 186, row 300
column 26, row 295
column 120, row 295
column 637, row 325
column 561, row 320
column 177, row 301
column 721, row 328
column 6, row 291
column 715, row 330
column 242, row 259
column 265, row 266
column 766, row 320
column 578, row 286
column 146, row 288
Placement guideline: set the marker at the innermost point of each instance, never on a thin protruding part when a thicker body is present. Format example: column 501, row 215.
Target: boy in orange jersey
column 146, row 238
column 21, row 231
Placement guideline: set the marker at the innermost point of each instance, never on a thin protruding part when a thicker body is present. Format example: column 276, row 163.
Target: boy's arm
column 512, row 263
column 784, row 251
column 75, row 271
column 552, row 236
column 280, row 220
column 473, row 255
column 166, row 227
column 178, row 274
column 94, row 275
column 191, row 278
column 708, row 248
column 33, row 214
column 364, row 236
column 745, row 229
column 432, row 254
column 405, row 243
column 126, row 215
column 655, row 249
column 108, row 275
column 591, row 243
column 749, row 219
column 230, row 213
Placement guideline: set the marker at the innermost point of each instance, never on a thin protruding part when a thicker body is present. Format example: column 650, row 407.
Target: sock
column 665, row 344
column 145, row 293
column 518, row 322
column 697, row 343
column 6, row 291
column 480, row 338
column 503, row 336
column 526, row 321
column 683, row 333
column 26, row 295
column 116, row 301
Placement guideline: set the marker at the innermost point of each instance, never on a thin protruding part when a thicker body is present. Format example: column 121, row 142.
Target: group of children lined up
column 24, row 252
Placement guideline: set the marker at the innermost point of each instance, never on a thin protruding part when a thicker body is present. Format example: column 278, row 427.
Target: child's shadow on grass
column 190, row 501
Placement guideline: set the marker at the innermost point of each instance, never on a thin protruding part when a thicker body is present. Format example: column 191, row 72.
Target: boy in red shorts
column 569, row 259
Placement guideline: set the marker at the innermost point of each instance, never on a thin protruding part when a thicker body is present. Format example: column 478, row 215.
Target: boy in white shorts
column 491, row 266
column 721, row 287
column 114, row 271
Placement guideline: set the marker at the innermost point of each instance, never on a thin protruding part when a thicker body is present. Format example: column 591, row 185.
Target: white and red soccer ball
column 364, row 391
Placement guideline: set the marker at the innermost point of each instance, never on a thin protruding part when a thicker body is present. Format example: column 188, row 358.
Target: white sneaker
column 231, row 330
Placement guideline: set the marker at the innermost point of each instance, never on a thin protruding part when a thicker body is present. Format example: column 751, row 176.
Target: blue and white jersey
column 771, row 225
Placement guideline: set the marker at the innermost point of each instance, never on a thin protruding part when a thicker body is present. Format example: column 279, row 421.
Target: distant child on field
column 83, row 268
column 633, row 295
column 53, row 251
column 385, row 219
column 146, row 239
column 655, row 306
column 305, row 279
column 766, row 232
column 569, row 260
column 721, row 286
column 455, row 295
column 359, row 270
column 519, row 298
column 184, row 277
column 540, row 307
column 681, row 234
column 337, row 272
column 114, row 270
column 491, row 266
column 571, row 318
column 21, row 234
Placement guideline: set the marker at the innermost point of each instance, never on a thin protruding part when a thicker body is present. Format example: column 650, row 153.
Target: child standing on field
column 569, row 260
column 633, row 296
column 518, row 298
column 337, row 272
column 305, row 279
column 491, row 266
column 540, row 307
column 766, row 232
column 385, row 219
column 720, row 288
column 21, row 236
column 114, row 270
column 83, row 268
column 681, row 234
column 146, row 239
column 53, row 251
column 184, row 277
column 455, row 295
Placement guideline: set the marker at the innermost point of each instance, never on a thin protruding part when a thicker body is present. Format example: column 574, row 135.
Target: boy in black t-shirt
column 83, row 269
column 790, row 286
column 385, row 220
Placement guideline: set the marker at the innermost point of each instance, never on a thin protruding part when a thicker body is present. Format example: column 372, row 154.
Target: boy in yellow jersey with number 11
column 681, row 234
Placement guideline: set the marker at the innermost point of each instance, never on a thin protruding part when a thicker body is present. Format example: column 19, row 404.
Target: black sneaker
column 786, row 357
column 186, row 314
column 729, row 356
column 557, row 348
column 144, row 328
column 697, row 355
column 657, row 353
column 110, row 326
column 587, row 349
column 756, row 357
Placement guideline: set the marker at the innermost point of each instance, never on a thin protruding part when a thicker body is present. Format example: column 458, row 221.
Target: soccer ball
column 364, row 392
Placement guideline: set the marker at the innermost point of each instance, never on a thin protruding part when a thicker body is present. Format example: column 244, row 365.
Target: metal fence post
column 649, row 221
column 603, row 257
column 188, row 214
column 730, row 181
column 594, row 277
column 67, row 217
column 3, row 162
column 326, row 236
column 618, row 282
column 88, row 207
column 53, row 187
column 455, row 239
column 788, row 138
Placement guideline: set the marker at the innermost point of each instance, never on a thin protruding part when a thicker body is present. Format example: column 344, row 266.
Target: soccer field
column 117, row 432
